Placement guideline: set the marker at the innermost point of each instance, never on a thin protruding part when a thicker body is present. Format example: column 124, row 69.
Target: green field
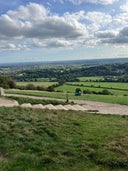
column 91, row 78
column 72, row 88
column 44, row 140
column 22, row 100
column 44, row 84
column 118, row 85
column 120, row 99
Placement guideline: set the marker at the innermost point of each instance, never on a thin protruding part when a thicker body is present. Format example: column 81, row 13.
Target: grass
column 22, row 100
column 118, row 85
column 91, row 78
column 44, row 140
column 44, row 84
column 72, row 88
column 120, row 99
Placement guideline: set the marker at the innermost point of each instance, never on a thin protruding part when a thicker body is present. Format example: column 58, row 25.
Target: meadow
column 120, row 99
column 91, row 78
column 71, row 88
column 44, row 140
column 118, row 90
column 38, row 83
column 118, row 85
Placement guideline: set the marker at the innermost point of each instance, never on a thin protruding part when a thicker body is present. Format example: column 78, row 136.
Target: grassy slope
column 36, row 140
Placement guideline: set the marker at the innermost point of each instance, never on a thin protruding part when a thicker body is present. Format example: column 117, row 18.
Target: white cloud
column 36, row 22
column 99, row 17
column 13, row 47
column 54, row 43
column 103, row 2
column 124, row 7
column 40, row 28
column 97, row 21
column 113, row 37
column 106, row 34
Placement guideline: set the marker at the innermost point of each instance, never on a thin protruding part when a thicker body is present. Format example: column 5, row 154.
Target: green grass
column 44, row 140
column 104, row 84
column 44, row 84
column 72, row 88
column 22, row 100
column 38, row 93
column 92, row 97
column 91, row 78
column 45, row 79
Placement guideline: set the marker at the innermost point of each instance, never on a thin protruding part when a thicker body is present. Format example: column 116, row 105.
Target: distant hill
column 68, row 62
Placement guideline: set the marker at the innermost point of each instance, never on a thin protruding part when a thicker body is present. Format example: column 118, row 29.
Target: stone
column 2, row 92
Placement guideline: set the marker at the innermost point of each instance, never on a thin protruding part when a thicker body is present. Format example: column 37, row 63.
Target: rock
column 60, row 107
column 2, row 92
column 38, row 106
column 50, row 107
column 26, row 105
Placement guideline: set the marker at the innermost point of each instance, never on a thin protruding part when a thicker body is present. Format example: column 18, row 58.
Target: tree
column 7, row 82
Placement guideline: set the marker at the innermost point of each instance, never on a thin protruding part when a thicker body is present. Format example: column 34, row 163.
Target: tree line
column 111, row 73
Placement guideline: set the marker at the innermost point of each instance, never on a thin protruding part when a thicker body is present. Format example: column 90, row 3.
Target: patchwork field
column 119, row 99
column 41, row 83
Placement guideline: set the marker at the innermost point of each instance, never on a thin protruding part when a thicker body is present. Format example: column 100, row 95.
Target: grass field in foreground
column 44, row 140
column 92, row 97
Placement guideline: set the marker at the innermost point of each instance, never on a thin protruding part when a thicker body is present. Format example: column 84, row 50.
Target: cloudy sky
column 50, row 30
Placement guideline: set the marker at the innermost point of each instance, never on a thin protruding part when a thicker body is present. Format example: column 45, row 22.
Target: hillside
column 33, row 140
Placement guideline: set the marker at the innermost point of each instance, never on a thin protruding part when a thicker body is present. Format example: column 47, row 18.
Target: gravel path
column 104, row 108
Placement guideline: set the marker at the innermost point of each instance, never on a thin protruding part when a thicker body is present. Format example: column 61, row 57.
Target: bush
column 87, row 92
column 30, row 87
column 7, row 82
column 105, row 92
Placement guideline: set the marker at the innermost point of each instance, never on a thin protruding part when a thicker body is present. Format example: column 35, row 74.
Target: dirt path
column 8, row 102
column 104, row 108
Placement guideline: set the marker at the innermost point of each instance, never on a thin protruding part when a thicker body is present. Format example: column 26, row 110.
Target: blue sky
column 63, row 30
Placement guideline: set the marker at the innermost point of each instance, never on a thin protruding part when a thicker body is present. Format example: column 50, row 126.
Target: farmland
column 115, row 88
column 92, row 97
column 37, row 83
column 118, row 90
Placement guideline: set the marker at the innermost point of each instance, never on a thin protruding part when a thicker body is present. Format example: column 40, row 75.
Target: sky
column 51, row 30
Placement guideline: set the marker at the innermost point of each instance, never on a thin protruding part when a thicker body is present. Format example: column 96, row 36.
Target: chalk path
column 104, row 108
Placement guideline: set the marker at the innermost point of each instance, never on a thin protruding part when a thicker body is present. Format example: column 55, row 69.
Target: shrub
column 106, row 92
column 7, row 82
column 87, row 92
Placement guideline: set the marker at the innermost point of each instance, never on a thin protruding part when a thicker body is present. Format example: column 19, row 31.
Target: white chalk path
column 104, row 108
column 11, row 103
